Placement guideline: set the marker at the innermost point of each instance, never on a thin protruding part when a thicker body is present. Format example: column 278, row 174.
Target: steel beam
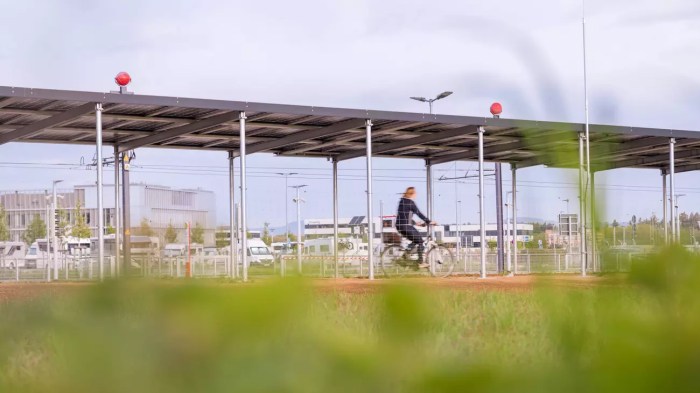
column 415, row 141
column 305, row 135
column 157, row 137
column 53, row 121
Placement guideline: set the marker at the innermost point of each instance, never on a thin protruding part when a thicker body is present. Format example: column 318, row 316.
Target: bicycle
column 396, row 260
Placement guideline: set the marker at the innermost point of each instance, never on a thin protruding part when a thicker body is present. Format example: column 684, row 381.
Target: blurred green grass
column 642, row 335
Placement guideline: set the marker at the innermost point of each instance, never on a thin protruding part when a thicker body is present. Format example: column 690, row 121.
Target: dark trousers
column 412, row 234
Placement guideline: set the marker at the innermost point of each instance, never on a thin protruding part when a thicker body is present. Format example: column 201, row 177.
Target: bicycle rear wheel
column 442, row 261
column 396, row 262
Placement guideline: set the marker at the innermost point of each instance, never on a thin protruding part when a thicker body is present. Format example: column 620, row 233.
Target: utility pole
column 298, row 201
column 286, row 202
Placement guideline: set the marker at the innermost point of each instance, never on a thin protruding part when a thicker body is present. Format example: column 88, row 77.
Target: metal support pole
column 663, row 202
column 593, row 218
column 429, row 189
column 582, row 206
column 244, row 226
column 370, row 215
column 49, row 220
column 509, row 265
column 515, row 219
column 126, row 214
column 54, row 238
column 482, row 215
column 335, row 216
column 233, row 249
column 672, row 177
column 499, row 215
column 117, row 219
column 458, row 245
column 300, row 242
column 100, row 200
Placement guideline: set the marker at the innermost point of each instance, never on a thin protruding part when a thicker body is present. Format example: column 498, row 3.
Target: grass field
column 639, row 333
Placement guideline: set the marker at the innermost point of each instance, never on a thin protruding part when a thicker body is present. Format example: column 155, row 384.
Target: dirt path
column 19, row 291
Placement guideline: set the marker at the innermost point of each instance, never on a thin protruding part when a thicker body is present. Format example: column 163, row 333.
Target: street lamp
column 430, row 101
column 678, row 218
column 286, row 200
column 567, row 203
column 298, row 201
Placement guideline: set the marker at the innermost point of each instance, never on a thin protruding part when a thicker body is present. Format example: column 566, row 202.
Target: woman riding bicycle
column 405, row 223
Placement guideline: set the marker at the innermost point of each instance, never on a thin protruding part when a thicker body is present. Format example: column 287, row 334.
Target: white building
column 357, row 226
column 159, row 206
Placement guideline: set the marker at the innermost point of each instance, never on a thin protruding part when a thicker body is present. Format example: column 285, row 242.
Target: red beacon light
column 496, row 109
column 122, row 79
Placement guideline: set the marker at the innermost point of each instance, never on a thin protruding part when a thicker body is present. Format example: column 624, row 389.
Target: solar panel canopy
column 132, row 121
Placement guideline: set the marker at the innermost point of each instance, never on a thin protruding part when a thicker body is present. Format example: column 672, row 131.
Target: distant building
column 158, row 206
column 357, row 226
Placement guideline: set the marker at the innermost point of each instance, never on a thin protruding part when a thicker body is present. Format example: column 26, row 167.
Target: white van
column 259, row 253
column 173, row 250
column 12, row 254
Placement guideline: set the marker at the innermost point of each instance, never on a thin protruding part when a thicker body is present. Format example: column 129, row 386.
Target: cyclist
column 405, row 223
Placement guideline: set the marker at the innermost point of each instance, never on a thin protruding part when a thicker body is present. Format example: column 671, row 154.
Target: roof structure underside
column 131, row 121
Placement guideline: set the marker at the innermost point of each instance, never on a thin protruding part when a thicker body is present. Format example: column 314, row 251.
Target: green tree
column 35, row 230
column 197, row 234
column 80, row 229
column 145, row 229
column 4, row 230
column 170, row 234
column 266, row 236
column 111, row 230
column 63, row 222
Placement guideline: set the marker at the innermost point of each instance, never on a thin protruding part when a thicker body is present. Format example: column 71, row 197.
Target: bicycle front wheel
column 441, row 260
column 396, row 262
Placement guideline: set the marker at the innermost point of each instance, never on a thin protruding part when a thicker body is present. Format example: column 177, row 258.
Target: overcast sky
column 643, row 58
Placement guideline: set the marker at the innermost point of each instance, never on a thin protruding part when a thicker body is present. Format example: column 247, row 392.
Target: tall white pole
column 233, row 249
column 587, row 166
column 100, row 200
column 582, row 205
column 482, row 215
column 244, row 226
column 459, row 239
column 48, row 254
column 53, row 233
column 672, row 181
column 663, row 202
column 509, row 266
column 299, row 240
column 370, row 215
column 515, row 219
column 335, row 216
column 117, row 218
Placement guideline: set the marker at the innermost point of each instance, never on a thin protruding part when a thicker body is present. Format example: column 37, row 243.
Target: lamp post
column 430, row 101
column 508, row 233
column 678, row 217
column 286, row 202
column 298, row 201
